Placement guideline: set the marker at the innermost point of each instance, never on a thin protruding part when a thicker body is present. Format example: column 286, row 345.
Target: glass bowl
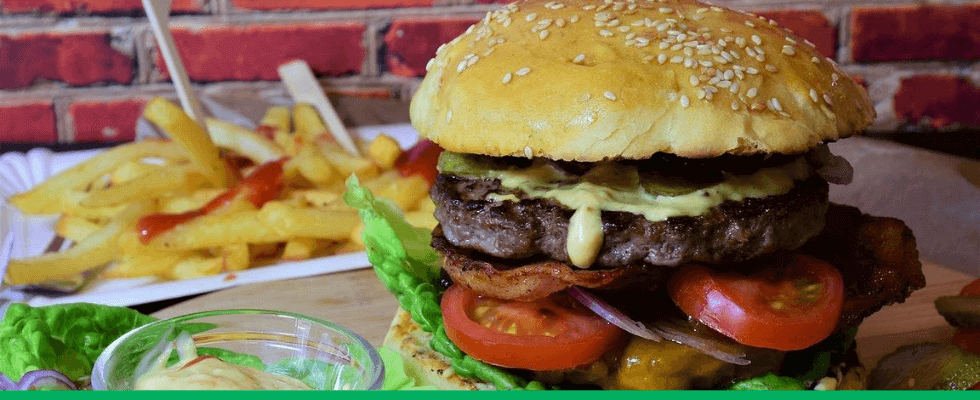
column 324, row 355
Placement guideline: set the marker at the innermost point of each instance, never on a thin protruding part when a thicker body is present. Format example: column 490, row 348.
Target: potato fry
column 192, row 137
column 384, row 151
column 159, row 183
column 137, row 259
column 71, row 204
column 131, row 170
column 314, row 167
column 345, row 163
column 289, row 142
column 46, row 197
column 95, row 250
column 276, row 119
column 421, row 219
column 75, row 228
column 308, row 222
column 231, row 258
column 322, row 198
column 218, row 230
column 189, row 202
column 405, row 192
column 299, row 249
column 307, row 121
column 244, row 142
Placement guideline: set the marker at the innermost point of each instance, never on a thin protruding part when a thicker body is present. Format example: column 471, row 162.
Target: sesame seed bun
column 588, row 81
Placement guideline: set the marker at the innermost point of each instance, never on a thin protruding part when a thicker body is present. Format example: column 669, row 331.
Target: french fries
column 103, row 201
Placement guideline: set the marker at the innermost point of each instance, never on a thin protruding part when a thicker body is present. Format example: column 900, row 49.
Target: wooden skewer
column 158, row 13
column 304, row 88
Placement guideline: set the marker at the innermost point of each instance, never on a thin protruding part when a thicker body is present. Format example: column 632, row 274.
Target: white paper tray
column 32, row 234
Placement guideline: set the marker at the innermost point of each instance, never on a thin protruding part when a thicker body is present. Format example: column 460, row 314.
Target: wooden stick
column 304, row 88
column 158, row 12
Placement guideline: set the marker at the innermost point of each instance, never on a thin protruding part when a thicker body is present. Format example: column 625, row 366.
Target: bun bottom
column 428, row 367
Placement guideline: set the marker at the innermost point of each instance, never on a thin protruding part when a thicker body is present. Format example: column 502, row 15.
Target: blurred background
column 76, row 73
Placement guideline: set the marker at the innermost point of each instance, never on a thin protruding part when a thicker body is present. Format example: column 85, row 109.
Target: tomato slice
column 553, row 333
column 786, row 308
column 972, row 289
column 967, row 339
column 421, row 159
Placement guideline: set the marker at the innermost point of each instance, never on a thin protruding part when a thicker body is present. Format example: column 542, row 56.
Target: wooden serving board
column 358, row 301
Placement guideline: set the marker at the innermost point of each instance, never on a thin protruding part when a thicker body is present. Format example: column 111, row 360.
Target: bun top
column 590, row 80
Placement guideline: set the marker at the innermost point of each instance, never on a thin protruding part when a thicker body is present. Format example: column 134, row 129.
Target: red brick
column 916, row 33
column 410, row 44
column 89, row 6
column 248, row 53
column 77, row 59
column 112, row 121
column 810, row 25
column 28, row 123
column 327, row 4
column 944, row 99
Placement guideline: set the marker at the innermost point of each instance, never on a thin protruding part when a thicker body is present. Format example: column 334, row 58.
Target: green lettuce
column 67, row 338
column 769, row 381
column 409, row 268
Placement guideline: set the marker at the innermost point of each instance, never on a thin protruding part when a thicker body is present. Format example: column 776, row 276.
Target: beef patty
column 532, row 228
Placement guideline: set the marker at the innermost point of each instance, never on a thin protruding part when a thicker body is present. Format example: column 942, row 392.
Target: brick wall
column 81, row 70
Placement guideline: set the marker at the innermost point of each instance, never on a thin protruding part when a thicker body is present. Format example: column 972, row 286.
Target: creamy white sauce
column 213, row 374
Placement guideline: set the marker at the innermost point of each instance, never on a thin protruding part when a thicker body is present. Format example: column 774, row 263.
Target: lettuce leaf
column 409, row 268
column 67, row 338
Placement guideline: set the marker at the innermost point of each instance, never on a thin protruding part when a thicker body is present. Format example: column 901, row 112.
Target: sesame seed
column 662, row 58
column 827, row 99
column 757, row 40
column 461, row 66
column 676, row 47
column 813, row 96
column 523, row 71
column 752, row 92
column 721, row 60
column 664, row 45
column 605, row 33
column 724, row 84
column 729, row 74
column 638, row 23
column 771, row 68
column 530, row 17
column 574, row 18
column 693, row 80
column 705, row 63
column 472, row 61
column 733, row 88
column 666, row 10
column 672, row 96
column 527, row 152
column 543, row 35
column 750, row 52
column 648, row 59
column 507, row 78
column 716, row 9
column 609, row 95
column 775, row 104
column 815, row 60
column 685, row 101
column 688, row 52
column 789, row 51
column 752, row 70
column 681, row 37
column 676, row 60
column 734, row 105
column 749, row 24
column 579, row 58
column 789, row 39
column 662, row 27
column 612, row 24
column 834, row 77
column 624, row 28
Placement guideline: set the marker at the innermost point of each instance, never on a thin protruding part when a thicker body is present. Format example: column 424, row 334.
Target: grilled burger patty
column 532, row 227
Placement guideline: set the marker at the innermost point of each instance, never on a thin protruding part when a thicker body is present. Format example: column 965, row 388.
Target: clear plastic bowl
column 325, row 355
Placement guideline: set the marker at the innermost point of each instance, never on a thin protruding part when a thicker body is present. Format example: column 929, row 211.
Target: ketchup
column 263, row 185
column 421, row 159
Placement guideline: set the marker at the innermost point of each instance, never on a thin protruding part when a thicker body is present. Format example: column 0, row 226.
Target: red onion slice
column 38, row 378
column 662, row 330
column 611, row 314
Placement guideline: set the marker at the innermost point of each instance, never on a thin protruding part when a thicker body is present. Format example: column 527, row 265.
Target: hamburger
column 634, row 195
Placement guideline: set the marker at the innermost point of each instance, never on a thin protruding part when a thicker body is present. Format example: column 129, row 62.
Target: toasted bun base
column 421, row 362
column 428, row 367
column 590, row 81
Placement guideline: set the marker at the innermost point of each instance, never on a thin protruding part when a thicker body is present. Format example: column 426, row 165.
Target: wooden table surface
column 357, row 300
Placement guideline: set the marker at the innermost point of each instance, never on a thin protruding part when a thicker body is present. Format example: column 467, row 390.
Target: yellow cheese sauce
column 611, row 186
